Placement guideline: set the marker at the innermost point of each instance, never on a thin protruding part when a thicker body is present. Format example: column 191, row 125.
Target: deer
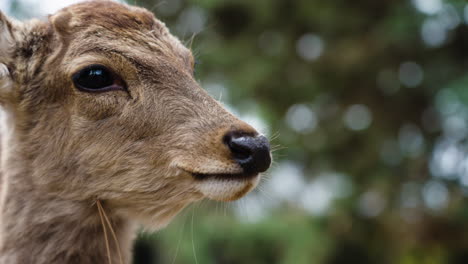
column 105, row 129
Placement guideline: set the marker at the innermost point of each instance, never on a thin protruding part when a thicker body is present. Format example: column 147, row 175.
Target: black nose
column 251, row 153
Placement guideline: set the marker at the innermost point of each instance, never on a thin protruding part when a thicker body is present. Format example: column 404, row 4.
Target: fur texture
column 135, row 150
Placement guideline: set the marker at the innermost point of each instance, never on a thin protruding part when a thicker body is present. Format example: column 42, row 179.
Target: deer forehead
column 108, row 14
column 106, row 26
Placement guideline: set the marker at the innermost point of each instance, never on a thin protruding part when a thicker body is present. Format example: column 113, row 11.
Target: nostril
column 239, row 147
column 251, row 152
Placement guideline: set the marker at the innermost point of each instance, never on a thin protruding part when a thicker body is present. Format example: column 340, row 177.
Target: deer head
column 102, row 104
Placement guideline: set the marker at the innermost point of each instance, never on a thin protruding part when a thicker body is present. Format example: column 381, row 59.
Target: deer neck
column 37, row 227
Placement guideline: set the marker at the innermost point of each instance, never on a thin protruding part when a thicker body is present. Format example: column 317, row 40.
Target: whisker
column 277, row 156
column 273, row 150
column 105, row 232
column 277, row 146
column 112, row 232
column 274, row 136
column 190, row 41
column 265, row 193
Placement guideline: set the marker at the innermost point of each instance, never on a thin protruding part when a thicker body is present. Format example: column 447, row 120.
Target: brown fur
column 64, row 149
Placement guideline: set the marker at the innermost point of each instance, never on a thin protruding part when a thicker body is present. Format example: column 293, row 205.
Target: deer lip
column 223, row 176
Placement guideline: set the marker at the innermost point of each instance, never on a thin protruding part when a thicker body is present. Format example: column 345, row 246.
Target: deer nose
column 252, row 153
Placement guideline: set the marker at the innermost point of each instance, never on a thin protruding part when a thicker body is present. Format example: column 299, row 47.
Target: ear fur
column 7, row 37
column 8, row 30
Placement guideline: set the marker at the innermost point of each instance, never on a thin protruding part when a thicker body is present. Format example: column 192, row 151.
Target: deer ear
column 8, row 29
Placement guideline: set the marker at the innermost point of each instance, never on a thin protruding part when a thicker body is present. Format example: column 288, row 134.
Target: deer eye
column 97, row 78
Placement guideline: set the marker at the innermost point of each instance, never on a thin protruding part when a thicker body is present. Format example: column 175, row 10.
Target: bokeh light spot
column 310, row 46
column 301, row 118
column 318, row 195
column 429, row 7
column 371, row 203
column 286, row 181
column 191, row 21
column 411, row 140
column 358, row 117
column 435, row 195
column 433, row 32
column 169, row 8
column 410, row 74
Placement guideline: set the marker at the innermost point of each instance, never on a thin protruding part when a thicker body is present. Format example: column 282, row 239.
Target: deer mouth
column 223, row 186
column 223, row 176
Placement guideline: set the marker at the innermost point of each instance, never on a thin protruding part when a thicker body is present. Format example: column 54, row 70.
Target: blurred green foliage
column 386, row 85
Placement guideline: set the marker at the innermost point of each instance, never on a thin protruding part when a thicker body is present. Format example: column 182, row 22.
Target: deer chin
column 225, row 187
column 221, row 183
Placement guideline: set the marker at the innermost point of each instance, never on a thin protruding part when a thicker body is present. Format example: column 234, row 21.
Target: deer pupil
column 94, row 78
